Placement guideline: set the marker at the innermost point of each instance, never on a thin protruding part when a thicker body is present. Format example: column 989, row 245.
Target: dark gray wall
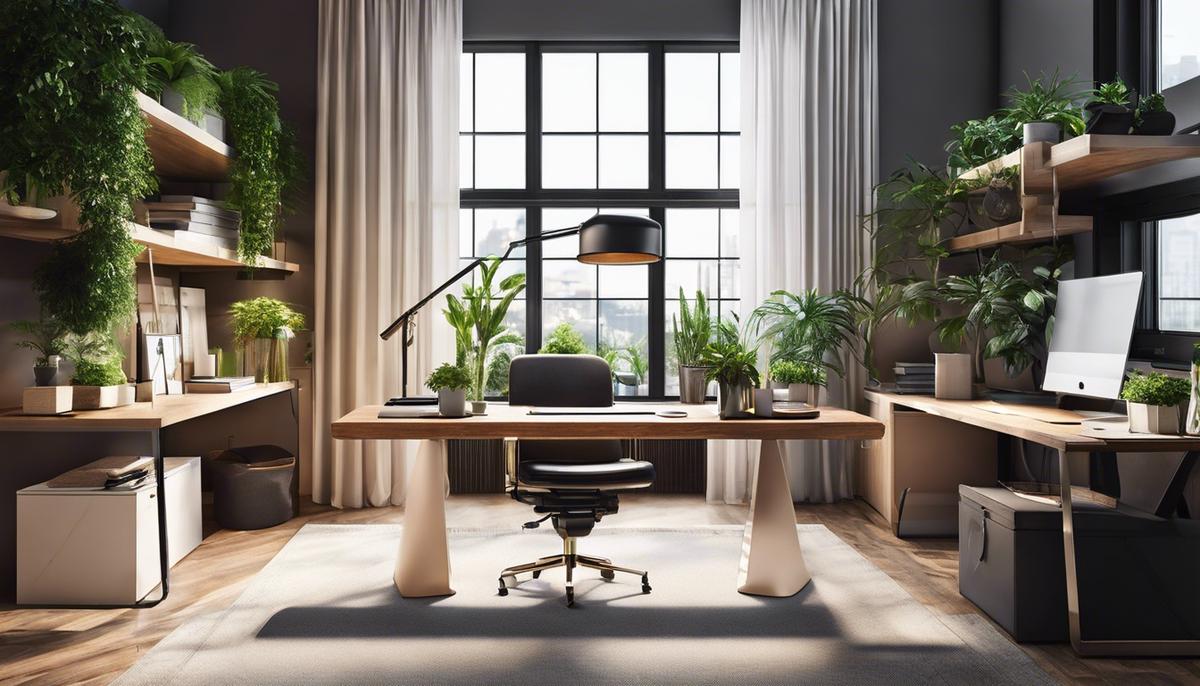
column 607, row 20
column 1041, row 35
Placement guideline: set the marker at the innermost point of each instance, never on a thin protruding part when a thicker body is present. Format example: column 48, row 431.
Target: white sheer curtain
column 809, row 157
column 387, row 215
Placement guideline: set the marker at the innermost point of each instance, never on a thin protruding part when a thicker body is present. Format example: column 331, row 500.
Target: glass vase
column 266, row 358
column 1193, row 415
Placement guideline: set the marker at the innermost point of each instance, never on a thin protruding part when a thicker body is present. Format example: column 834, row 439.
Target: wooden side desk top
column 1060, row 436
column 505, row 421
column 164, row 411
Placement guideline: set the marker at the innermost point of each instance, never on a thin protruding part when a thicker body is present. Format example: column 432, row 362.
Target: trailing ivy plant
column 267, row 164
column 70, row 123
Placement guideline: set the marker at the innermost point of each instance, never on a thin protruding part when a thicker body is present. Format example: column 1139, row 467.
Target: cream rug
column 325, row 611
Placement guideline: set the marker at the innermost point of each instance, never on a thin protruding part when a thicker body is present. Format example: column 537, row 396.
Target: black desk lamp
column 603, row 239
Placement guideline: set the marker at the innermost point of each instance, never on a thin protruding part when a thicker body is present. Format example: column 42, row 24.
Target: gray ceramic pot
column 735, row 400
column 692, row 385
column 452, row 402
column 1042, row 132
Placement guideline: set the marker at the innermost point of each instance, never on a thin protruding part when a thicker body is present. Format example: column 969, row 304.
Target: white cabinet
column 94, row 547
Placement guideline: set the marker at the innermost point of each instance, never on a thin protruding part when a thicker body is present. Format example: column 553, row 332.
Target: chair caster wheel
column 608, row 574
column 570, row 597
column 645, row 583
column 537, row 573
column 503, row 588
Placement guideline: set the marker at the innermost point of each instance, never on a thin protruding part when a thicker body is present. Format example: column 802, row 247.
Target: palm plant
column 807, row 327
column 639, row 364
column 1050, row 98
column 478, row 322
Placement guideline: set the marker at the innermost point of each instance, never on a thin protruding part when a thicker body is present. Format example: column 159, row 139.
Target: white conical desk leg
column 772, row 564
column 423, row 566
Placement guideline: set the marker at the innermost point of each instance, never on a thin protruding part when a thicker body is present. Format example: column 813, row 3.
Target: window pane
column 568, row 161
column 1179, row 315
column 731, row 271
column 466, row 239
column 624, row 162
column 1179, row 43
column 507, row 269
column 623, row 91
column 466, row 159
column 691, row 275
column 1178, row 286
column 499, row 161
column 692, row 233
column 496, row 228
column 568, row 279
column 623, row 326
column 691, row 162
column 581, row 314
column 514, row 319
column 729, row 232
column 727, row 309
column 731, row 96
column 731, row 161
column 466, row 91
column 691, row 91
column 561, row 218
column 630, row 281
column 568, row 91
column 499, row 91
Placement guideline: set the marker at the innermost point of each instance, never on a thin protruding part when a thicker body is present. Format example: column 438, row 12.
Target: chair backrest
column 563, row 381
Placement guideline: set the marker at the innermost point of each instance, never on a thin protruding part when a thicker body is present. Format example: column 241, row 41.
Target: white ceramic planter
column 452, row 402
column 1041, row 132
column 952, row 376
column 213, row 123
column 805, row 393
column 1153, row 419
column 478, row 406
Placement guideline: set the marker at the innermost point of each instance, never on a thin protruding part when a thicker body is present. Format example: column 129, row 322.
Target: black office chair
column 573, row 482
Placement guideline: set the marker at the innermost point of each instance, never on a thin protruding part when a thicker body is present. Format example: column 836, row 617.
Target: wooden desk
column 771, row 564
column 1068, row 439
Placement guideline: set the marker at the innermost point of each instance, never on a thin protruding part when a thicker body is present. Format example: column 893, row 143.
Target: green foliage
column 46, row 337
column 448, row 377
column 807, row 327
column 497, row 371
column 1156, row 388
column 1114, row 92
column 69, row 122
column 639, row 364
column 180, row 67
column 1196, row 354
column 267, row 161
column 691, row 330
column 564, row 340
column 730, row 357
column 1152, row 103
column 263, row 318
column 478, row 323
column 96, row 359
column 1051, row 98
column 789, row 372
column 979, row 141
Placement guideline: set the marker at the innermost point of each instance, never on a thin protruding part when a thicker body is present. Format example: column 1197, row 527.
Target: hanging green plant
column 181, row 68
column 267, row 163
column 70, row 123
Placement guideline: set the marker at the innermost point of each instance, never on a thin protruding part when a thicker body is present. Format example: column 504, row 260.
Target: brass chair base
column 569, row 559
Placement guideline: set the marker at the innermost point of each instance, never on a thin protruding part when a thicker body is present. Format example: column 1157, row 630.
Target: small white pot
column 1153, row 419
column 452, row 402
column 804, row 393
column 478, row 406
column 952, row 376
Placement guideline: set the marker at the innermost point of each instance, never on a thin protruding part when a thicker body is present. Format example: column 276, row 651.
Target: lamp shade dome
column 620, row 239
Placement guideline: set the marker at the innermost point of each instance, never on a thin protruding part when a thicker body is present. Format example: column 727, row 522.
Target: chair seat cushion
column 621, row 473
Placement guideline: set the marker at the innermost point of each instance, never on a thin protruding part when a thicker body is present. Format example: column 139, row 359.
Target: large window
column 552, row 133
column 1178, row 42
column 1178, row 285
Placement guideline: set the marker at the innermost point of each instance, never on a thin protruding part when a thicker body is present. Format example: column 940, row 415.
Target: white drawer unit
column 80, row 546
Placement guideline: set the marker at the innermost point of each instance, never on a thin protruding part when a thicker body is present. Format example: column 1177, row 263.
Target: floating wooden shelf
column 182, row 150
column 1011, row 234
column 1087, row 159
column 176, row 251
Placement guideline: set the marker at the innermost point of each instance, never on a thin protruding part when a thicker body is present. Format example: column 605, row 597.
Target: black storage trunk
column 1139, row 575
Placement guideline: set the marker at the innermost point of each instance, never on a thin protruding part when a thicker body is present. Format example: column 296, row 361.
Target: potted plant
column 1153, row 402
column 480, row 332
column 808, row 328
column 263, row 327
column 564, row 340
column 1044, row 111
column 1108, row 110
column 450, row 382
column 99, row 381
column 803, row 380
column 182, row 80
column 692, row 331
column 992, row 198
column 46, row 338
column 732, row 363
column 1152, row 118
column 979, row 141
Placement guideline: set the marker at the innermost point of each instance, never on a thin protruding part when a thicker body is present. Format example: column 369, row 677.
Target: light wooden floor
column 73, row 646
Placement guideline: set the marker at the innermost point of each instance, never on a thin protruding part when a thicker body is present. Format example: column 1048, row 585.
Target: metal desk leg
column 772, row 564
column 423, row 566
column 1092, row 648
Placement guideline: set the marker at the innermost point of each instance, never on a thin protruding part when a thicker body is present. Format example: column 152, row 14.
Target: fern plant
column 731, row 358
column 808, row 327
column 46, row 337
column 96, row 359
column 180, row 67
column 1050, row 98
column 263, row 318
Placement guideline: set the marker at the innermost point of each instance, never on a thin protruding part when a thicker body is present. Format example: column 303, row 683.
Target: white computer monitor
column 1093, row 325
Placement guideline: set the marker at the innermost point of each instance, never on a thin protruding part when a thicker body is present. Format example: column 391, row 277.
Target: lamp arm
column 412, row 311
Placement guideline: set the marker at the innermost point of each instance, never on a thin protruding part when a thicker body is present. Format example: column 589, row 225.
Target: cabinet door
column 875, row 463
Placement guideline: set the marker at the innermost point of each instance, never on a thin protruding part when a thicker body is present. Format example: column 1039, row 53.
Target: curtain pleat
column 387, row 208
column 809, row 159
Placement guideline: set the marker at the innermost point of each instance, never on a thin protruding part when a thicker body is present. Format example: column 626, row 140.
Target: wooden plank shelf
column 172, row 250
column 1088, row 159
column 1011, row 234
column 182, row 150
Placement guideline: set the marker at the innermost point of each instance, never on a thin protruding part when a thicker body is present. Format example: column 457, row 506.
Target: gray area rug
column 325, row 611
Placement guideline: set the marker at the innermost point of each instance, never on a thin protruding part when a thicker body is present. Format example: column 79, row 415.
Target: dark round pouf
column 252, row 487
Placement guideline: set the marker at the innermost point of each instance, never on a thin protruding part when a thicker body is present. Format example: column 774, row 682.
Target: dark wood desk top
column 505, row 421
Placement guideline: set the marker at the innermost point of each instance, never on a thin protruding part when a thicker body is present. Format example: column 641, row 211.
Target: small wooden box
column 100, row 397
column 46, row 399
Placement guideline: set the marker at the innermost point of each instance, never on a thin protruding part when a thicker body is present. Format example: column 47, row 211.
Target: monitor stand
column 1039, row 398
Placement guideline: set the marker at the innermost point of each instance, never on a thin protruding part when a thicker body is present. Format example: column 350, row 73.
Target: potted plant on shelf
column 809, row 328
column 481, row 335
column 979, row 141
column 1154, row 402
column 802, row 379
column 1045, row 111
column 691, row 332
column 262, row 328
column 732, row 362
column 46, row 338
column 182, row 80
column 1108, row 110
column 450, row 382
column 1152, row 118
column 99, row 381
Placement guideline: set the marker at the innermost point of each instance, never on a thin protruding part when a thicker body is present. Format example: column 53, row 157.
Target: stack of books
column 915, row 378
column 217, row 384
column 195, row 219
